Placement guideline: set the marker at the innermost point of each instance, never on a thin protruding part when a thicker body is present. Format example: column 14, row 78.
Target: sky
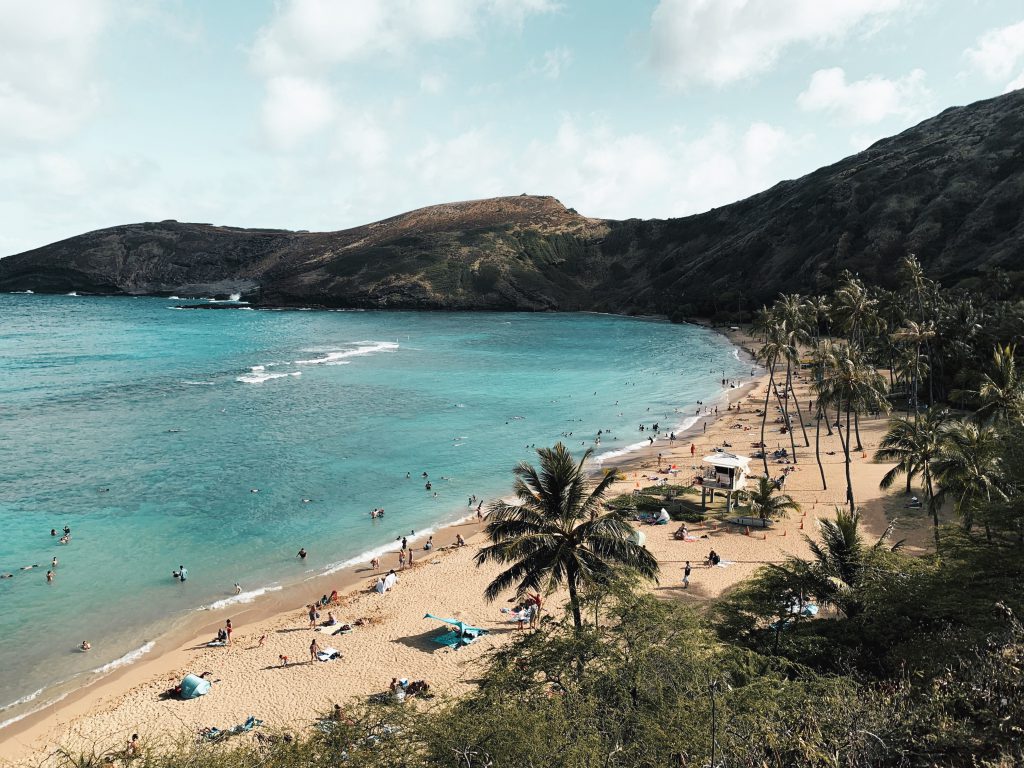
column 325, row 114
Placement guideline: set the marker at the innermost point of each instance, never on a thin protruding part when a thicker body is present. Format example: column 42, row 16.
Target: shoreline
column 170, row 651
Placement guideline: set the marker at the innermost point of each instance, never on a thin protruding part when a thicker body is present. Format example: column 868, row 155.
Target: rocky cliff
column 950, row 190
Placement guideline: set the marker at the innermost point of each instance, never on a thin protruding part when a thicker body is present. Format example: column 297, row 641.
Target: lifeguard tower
column 723, row 472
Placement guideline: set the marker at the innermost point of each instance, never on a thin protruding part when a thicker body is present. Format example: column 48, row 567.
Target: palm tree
column 776, row 346
column 916, row 334
column 920, row 288
column 840, row 559
column 559, row 533
column 1002, row 388
column 792, row 309
column 851, row 386
column 914, row 446
column 854, row 309
column 969, row 468
column 767, row 504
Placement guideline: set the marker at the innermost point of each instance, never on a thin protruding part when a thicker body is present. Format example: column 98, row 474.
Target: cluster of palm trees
column 846, row 384
column 873, row 350
column 870, row 350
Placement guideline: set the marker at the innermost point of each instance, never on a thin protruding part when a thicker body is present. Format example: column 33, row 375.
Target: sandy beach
column 395, row 639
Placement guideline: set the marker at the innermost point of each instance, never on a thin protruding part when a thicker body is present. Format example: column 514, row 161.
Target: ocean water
column 226, row 440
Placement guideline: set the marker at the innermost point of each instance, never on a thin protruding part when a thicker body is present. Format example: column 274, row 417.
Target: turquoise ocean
column 226, row 440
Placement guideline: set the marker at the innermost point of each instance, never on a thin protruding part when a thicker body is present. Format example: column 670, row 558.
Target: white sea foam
column 174, row 298
column 234, row 297
column 23, row 700
column 244, row 597
column 369, row 554
column 129, row 658
column 255, row 368
column 258, row 377
column 603, row 457
column 337, row 356
column 23, row 715
column 73, row 293
column 197, row 383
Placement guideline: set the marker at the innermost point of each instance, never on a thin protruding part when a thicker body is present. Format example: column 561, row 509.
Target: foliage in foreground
column 658, row 688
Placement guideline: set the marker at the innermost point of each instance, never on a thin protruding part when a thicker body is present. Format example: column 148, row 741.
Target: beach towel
column 725, row 563
column 335, row 629
column 216, row 644
column 451, row 640
column 329, row 654
column 390, row 581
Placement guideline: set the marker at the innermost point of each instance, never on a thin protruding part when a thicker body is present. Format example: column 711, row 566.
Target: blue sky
column 323, row 114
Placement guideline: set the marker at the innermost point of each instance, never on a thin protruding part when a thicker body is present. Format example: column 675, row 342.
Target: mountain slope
column 950, row 190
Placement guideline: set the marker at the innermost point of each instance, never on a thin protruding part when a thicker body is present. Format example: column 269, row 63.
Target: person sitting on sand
column 261, row 641
column 331, row 621
column 282, row 659
column 131, row 749
column 333, row 599
column 459, row 541
column 429, row 545
column 713, row 559
column 337, row 715
column 417, row 687
column 682, row 532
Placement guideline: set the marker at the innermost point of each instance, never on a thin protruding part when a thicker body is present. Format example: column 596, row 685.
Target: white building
column 723, row 472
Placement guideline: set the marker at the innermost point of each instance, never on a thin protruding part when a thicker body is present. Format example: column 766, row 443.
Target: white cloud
column 721, row 41
column 619, row 175
column 307, row 35
column 999, row 54
column 431, row 83
column 552, row 63
column 48, row 84
column 307, row 42
column 867, row 101
column 295, row 109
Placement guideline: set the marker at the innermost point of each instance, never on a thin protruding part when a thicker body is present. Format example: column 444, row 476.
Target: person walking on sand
column 314, row 649
column 410, row 557
column 686, row 575
column 228, row 629
column 312, row 616
column 693, row 450
column 401, row 560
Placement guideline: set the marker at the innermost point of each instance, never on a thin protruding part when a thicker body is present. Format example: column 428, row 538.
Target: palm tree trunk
column 846, row 455
column 931, row 503
column 799, row 415
column 817, row 452
column 574, row 602
column 764, row 416
column 856, row 430
column 785, row 418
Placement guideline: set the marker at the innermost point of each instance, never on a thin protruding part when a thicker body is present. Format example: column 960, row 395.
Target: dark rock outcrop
column 950, row 190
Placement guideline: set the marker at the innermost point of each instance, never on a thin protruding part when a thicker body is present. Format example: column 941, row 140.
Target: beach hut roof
column 729, row 460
